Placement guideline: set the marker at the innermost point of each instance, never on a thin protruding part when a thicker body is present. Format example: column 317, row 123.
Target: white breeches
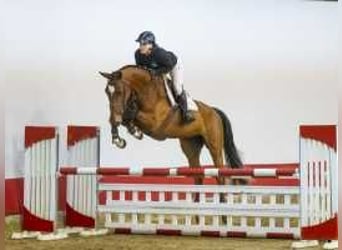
column 177, row 77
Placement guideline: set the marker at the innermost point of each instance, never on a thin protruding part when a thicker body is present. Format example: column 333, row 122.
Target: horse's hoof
column 119, row 142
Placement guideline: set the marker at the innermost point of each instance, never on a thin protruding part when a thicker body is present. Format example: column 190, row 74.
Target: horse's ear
column 105, row 75
column 116, row 75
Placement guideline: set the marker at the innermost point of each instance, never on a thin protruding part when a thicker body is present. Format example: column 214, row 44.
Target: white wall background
column 270, row 65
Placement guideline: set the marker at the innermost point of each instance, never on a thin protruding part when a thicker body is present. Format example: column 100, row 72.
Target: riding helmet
column 146, row 37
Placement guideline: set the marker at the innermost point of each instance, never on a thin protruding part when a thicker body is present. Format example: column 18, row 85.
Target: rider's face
column 145, row 48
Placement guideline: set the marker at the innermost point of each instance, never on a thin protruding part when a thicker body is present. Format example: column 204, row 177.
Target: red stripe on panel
column 32, row 222
column 79, row 133
column 35, row 134
column 75, row 218
column 322, row 133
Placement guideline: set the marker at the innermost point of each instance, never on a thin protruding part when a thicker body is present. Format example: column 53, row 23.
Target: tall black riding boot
column 187, row 115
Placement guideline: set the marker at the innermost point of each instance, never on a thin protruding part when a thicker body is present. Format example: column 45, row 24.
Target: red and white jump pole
column 182, row 171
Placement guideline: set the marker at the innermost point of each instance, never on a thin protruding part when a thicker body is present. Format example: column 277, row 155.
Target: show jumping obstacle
column 307, row 212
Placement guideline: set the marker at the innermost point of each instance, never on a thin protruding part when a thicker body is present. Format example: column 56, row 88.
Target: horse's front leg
column 129, row 116
column 134, row 130
column 116, row 139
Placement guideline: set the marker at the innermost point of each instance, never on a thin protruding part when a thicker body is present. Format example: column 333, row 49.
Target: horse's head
column 129, row 81
column 118, row 93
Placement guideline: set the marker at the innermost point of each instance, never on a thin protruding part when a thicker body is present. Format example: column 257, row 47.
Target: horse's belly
column 153, row 135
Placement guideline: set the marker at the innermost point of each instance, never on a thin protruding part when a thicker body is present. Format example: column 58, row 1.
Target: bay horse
column 143, row 93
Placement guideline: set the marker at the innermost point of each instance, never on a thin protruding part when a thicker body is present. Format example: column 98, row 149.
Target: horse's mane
column 153, row 78
column 137, row 67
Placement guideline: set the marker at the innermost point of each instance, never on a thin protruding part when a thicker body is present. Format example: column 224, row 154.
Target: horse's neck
column 151, row 94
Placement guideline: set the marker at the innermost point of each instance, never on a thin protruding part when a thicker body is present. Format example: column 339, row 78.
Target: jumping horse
column 138, row 100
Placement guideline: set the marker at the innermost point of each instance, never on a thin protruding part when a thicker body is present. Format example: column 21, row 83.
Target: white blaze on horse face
column 111, row 89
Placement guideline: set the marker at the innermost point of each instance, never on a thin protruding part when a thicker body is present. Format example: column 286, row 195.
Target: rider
column 160, row 62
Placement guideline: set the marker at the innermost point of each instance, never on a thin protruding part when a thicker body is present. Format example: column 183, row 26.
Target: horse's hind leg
column 192, row 148
column 217, row 156
column 214, row 143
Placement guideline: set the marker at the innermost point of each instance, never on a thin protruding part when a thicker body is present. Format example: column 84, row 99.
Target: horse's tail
column 231, row 153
